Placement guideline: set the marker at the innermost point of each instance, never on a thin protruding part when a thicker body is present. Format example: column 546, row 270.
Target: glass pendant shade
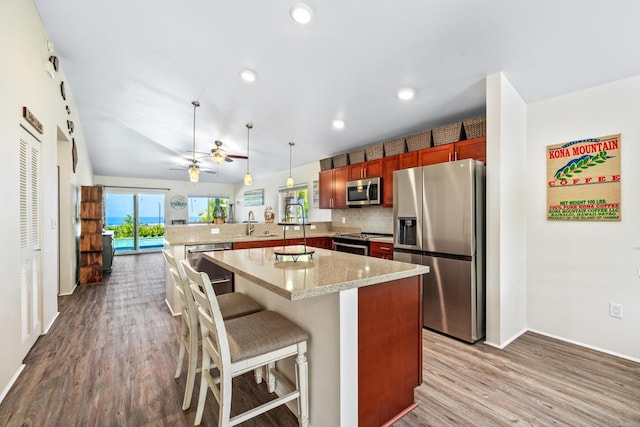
column 248, row 180
column 290, row 179
column 194, row 173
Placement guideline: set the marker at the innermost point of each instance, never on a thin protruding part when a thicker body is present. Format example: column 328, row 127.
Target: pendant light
column 290, row 179
column 248, row 180
column 194, row 170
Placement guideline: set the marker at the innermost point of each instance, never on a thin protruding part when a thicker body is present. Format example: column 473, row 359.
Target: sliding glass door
column 136, row 219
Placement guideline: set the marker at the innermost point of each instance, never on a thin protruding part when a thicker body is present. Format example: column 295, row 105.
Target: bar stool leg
column 302, row 382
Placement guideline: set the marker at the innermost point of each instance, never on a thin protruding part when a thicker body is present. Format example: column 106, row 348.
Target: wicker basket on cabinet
column 447, row 134
column 394, row 147
column 475, row 127
column 419, row 141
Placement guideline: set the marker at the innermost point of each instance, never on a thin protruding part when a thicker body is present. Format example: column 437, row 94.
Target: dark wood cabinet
column 439, row 154
column 472, row 149
column 381, row 250
column 409, row 160
column 332, row 188
column 316, row 242
column 90, row 244
column 389, row 164
column 370, row 169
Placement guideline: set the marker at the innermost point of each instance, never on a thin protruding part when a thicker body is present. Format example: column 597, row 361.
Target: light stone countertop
column 327, row 272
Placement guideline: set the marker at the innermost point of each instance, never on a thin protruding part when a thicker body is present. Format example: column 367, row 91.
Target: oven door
column 352, row 248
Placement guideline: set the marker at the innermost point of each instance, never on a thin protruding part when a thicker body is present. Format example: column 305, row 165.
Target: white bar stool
column 232, row 305
column 241, row 345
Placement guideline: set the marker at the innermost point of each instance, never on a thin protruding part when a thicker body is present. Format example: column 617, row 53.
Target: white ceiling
column 135, row 66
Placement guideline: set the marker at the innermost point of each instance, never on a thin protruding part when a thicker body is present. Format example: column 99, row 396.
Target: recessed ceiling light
column 406, row 93
column 338, row 124
column 248, row 75
column 301, row 13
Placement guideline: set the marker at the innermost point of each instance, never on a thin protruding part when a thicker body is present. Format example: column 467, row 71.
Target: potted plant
column 218, row 214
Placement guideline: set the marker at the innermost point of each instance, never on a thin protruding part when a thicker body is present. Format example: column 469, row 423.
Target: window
column 208, row 208
column 297, row 195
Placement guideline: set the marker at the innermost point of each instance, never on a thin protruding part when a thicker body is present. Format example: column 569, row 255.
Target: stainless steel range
column 355, row 243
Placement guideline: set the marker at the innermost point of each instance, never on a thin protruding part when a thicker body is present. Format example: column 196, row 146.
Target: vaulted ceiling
column 134, row 67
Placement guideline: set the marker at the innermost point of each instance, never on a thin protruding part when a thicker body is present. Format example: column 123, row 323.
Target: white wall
column 575, row 269
column 23, row 82
column 506, row 212
column 271, row 184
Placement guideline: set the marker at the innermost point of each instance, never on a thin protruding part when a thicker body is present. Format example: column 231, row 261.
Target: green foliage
column 126, row 229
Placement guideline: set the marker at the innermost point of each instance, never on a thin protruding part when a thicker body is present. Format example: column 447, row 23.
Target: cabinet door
column 440, row 154
column 409, row 160
column 472, row 149
column 373, row 168
column 389, row 164
column 325, row 189
column 357, row 171
column 340, row 178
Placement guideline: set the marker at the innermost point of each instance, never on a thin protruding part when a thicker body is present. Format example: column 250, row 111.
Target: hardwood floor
column 110, row 356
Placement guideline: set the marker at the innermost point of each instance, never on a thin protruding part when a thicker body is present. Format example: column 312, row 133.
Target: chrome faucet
column 251, row 226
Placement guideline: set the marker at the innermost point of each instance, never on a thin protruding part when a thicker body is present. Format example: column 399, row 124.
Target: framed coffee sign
column 584, row 180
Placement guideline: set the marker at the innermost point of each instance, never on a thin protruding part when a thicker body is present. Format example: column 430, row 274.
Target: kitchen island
column 363, row 316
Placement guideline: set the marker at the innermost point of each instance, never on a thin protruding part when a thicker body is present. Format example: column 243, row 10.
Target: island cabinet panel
column 389, row 349
column 332, row 188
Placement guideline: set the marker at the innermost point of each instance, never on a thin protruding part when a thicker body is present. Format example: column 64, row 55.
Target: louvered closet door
column 30, row 255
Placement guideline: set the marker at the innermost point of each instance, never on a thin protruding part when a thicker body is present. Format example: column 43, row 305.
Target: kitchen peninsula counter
column 363, row 316
column 326, row 272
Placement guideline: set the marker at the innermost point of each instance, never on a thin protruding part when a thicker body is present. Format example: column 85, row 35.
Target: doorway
column 136, row 219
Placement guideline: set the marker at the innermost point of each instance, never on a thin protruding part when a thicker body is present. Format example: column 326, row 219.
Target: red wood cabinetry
column 472, row 149
column 370, row 169
column 381, row 250
column 439, row 154
column 389, row 164
column 332, row 188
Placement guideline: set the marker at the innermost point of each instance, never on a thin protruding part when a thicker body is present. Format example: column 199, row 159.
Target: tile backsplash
column 373, row 219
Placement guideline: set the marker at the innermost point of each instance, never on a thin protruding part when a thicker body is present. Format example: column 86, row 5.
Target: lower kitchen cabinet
column 316, row 242
column 381, row 250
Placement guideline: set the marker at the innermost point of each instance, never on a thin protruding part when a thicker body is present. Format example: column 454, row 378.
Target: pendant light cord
column 196, row 104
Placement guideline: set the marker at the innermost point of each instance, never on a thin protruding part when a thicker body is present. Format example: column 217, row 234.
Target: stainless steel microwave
column 364, row 192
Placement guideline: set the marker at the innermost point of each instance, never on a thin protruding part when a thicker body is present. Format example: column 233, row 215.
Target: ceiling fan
column 194, row 168
column 218, row 155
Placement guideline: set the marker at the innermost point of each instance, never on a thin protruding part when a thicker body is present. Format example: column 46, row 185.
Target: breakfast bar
column 363, row 315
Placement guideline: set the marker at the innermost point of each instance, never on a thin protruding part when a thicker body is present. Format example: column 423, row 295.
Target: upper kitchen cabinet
column 389, row 164
column 408, row 160
column 472, row 149
column 439, row 154
column 332, row 188
column 362, row 170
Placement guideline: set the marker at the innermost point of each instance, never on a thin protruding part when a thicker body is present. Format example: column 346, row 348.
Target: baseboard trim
column 13, row 379
column 507, row 342
column 46, row 330
column 591, row 347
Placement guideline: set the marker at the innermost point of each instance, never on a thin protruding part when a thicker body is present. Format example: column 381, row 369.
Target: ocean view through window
column 137, row 220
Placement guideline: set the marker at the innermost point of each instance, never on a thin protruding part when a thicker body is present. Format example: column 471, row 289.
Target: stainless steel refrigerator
column 439, row 221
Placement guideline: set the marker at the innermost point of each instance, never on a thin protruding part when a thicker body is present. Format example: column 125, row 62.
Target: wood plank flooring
column 109, row 360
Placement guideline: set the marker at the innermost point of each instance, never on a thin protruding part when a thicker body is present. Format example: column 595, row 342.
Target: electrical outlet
column 215, row 231
column 313, row 227
column 296, row 227
column 615, row 310
column 344, row 220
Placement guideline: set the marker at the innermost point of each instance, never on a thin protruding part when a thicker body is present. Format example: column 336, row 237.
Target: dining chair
column 241, row 345
column 233, row 305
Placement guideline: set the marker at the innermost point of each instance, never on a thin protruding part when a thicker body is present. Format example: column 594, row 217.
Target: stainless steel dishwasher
column 221, row 279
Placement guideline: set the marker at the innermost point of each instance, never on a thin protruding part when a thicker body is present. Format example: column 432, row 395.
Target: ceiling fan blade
column 228, row 159
column 237, row 156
